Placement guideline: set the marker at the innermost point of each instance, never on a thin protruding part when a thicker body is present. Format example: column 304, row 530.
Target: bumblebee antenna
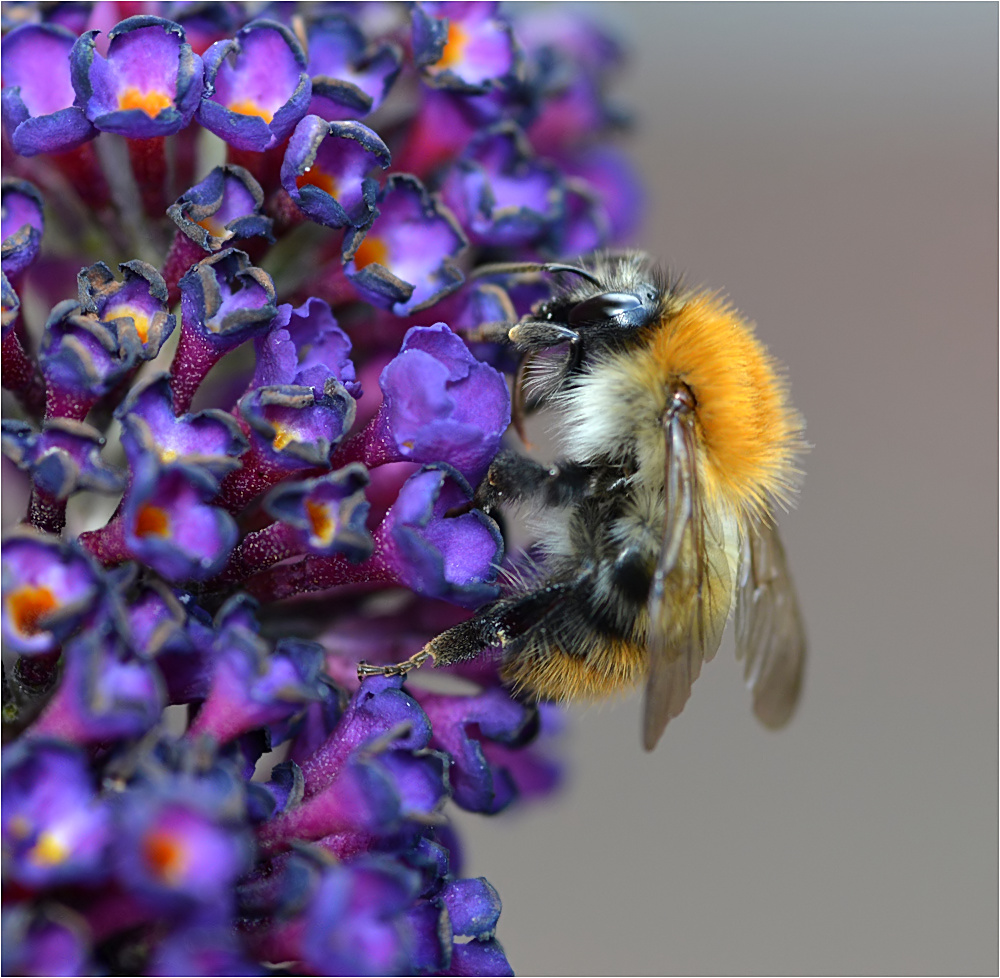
column 511, row 268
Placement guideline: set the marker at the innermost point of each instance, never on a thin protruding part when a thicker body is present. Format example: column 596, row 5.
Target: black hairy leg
column 513, row 477
column 495, row 624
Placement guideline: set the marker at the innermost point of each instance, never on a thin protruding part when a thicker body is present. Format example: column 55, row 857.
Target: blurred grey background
column 834, row 168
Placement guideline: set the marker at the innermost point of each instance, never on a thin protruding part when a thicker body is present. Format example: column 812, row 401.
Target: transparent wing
column 769, row 631
column 692, row 588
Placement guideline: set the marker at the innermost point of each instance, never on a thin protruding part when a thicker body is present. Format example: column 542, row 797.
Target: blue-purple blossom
column 149, row 84
column 501, row 192
column 326, row 171
column 40, row 112
column 136, row 306
column 63, row 458
column 256, row 86
column 210, row 441
column 439, row 404
column 54, row 828
column 225, row 206
column 49, row 587
column 21, row 225
column 305, row 346
column 435, row 552
column 463, row 47
column 349, row 77
column 170, row 524
column 406, row 260
column 225, row 514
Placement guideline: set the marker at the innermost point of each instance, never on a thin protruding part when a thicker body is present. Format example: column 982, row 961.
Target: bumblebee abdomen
column 598, row 667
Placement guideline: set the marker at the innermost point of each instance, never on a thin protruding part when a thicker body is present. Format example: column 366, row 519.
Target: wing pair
column 699, row 568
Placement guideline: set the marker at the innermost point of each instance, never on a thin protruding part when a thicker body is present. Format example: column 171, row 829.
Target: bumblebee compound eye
column 624, row 309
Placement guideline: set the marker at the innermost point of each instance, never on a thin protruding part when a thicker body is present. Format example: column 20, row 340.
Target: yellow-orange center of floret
column 152, row 103
column 28, row 605
column 249, row 107
column 152, row 521
column 371, row 251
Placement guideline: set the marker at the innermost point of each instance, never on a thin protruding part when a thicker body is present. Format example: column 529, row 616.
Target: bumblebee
column 679, row 442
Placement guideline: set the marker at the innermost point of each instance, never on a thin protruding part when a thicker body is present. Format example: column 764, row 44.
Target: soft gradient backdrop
column 834, row 168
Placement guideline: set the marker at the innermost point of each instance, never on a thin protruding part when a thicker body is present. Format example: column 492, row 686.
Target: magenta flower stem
column 182, row 255
column 71, row 404
column 45, row 512
column 149, row 165
column 194, row 358
column 318, row 573
column 107, row 543
column 21, row 376
column 261, row 549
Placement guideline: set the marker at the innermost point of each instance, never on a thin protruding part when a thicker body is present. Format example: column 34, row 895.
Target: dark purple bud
column 473, row 907
column 21, row 224
column 406, row 260
column 256, row 86
column 38, row 98
column 55, row 830
column 479, row 958
column 224, row 207
column 439, row 404
column 326, row 171
column 83, row 358
column 463, row 47
column 209, row 440
column 461, row 726
column 307, row 350
column 136, row 305
column 251, row 690
column 149, row 85
column 45, row 939
column 349, row 78
column 169, row 525
column 63, row 458
column 501, row 193
column 49, row 586
column 439, row 555
column 106, row 692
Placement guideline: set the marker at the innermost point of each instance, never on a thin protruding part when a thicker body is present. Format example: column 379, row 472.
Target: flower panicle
column 249, row 413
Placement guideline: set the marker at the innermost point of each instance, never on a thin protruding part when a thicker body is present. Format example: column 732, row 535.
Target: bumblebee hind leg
column 495, row 624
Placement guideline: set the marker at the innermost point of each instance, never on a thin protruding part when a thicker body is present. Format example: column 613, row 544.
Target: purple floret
column 38, row 98
column 456, row 557
column 326, row 171
column 439, row 404
column 21, row 225
column 406, row 260
column 256, row 86
column 148, row 86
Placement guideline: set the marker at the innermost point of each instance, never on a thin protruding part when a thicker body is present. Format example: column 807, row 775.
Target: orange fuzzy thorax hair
column 750, row 433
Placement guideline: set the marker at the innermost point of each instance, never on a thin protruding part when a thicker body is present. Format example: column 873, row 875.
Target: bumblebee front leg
column 513, row 477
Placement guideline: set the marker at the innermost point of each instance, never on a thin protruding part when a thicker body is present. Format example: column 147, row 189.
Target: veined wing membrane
column 692, row 587
column 769, row 632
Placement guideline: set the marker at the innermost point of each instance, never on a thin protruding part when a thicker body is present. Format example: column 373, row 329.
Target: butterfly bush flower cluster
column 245, row 412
